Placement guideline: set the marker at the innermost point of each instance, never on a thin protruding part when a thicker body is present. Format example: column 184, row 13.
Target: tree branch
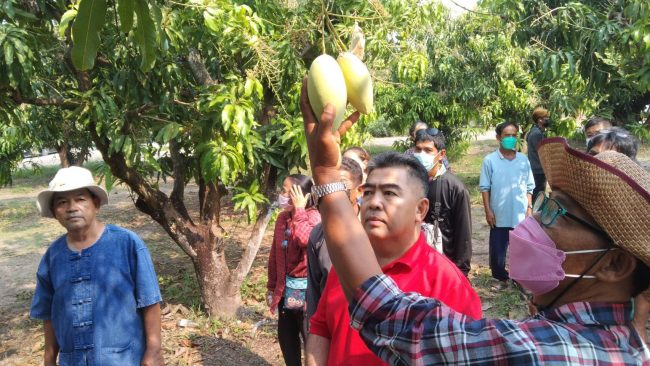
column 137, row 112
column 18, row 98
column 151, row 201
column 178, row 192
column 198, row 69
column 253, row 245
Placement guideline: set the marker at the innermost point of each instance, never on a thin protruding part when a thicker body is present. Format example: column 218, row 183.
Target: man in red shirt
column 393, row 208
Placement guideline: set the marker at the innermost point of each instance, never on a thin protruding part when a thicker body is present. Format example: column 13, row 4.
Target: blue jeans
column 498, row 249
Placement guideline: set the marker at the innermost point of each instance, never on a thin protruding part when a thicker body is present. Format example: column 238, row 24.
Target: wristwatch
column 323, row 190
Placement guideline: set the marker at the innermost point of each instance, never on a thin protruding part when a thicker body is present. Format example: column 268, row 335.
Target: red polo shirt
column 421, row 269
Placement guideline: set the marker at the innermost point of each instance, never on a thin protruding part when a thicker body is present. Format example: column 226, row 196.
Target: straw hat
column 610, row 186
column 69, row 179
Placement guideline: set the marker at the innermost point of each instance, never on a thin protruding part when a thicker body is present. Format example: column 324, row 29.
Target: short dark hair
column 392, row 159
column 352, row 167
column 596, row 121
column 305, row 184
column 502, row 126
column 438, row 139
column 617, row 139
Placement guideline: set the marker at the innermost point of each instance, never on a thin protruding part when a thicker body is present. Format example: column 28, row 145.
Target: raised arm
column 347, row 242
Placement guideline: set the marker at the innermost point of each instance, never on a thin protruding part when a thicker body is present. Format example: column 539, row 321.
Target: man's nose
column 373, row 201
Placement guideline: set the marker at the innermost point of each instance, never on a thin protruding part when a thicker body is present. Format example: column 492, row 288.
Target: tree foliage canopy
column 206, row 91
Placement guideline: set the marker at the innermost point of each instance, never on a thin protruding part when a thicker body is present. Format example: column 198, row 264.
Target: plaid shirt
column 408, row 329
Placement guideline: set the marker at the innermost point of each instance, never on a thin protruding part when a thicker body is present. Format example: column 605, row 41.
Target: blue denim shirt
column 93, row 298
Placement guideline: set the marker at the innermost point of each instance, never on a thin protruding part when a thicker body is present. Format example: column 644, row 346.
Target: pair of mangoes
column 337, row 82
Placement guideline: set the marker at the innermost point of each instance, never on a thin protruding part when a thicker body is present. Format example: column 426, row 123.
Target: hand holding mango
column 340, row 81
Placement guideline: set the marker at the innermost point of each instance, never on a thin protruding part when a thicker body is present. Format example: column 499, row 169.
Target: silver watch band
column 323, row 190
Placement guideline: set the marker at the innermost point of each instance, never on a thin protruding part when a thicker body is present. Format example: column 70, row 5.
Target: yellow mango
column 325, row 84
column 357, row 81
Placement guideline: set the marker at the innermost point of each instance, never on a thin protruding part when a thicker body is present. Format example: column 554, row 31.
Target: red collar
column 411, row 258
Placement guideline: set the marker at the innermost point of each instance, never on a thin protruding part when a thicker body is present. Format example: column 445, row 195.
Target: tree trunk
column 63, row 152
column 80, row 157
column 215, row 284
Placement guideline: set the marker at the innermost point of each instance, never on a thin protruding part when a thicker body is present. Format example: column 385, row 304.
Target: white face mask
column 427, row 160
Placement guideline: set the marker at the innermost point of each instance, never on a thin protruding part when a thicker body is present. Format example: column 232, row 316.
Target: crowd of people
column 370, row 257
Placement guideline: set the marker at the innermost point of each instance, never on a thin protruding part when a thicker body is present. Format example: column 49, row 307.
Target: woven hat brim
column 44, row 198
column 611, row 187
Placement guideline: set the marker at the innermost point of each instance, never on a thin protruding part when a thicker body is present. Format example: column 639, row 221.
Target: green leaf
column 226, row 116
column 9, row 53
column 145, row 35
column 66, row 18
column 85, row 33
column 125, row 9
column 248, row 87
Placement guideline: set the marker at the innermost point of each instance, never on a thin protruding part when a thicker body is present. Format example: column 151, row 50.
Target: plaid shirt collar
column 591, row 313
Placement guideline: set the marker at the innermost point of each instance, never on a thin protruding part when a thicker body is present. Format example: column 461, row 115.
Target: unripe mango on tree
column 357, row 81
column 325, row 84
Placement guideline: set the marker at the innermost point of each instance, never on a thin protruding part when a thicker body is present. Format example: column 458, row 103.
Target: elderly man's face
column 570, row 235
column 75, row 210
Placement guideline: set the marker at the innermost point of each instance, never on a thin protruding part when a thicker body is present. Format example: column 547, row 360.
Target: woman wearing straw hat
column 587, row 248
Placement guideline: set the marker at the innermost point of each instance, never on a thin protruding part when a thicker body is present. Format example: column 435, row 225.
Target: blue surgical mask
column 509, row 142
column 427, row 160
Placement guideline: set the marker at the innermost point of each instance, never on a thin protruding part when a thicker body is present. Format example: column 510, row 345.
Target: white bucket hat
column 69, row 179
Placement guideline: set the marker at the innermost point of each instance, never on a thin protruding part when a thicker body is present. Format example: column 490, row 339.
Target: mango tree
column 202, row 92
column 589, row 57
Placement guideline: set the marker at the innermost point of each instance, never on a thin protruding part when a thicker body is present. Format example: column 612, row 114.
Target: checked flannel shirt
column 409, row 329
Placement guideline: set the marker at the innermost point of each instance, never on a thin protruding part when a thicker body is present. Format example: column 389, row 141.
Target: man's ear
column 421, row 209
column 443, row 153
column 616, row 266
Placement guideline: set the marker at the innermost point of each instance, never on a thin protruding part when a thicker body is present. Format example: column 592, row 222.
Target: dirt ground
column 248, row 340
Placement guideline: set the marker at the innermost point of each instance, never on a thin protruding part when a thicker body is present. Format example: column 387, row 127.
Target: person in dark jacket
column 449, row 194
column 541, row 122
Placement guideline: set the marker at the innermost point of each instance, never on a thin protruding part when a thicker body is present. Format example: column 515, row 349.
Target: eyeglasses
column 432, row 131
column 551, row 209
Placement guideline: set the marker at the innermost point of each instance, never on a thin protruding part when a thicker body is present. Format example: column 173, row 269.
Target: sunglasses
column 551, row 209
column 432, row 131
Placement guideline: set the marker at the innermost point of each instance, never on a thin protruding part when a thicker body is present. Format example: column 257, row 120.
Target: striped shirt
column 409, row 329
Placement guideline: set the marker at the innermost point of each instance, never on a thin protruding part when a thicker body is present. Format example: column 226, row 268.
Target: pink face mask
column 284, row 202
column 534, row 260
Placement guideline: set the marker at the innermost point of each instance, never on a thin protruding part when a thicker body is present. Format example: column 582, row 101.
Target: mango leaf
column 9, row 53
column 168, row 132
column 66, row 18
column 226, row 116
column 125, row 9
column 145, row 35
column 85, row 33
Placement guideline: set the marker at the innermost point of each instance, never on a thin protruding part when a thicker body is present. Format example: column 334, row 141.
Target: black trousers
column 291, row 328
column 540, row 183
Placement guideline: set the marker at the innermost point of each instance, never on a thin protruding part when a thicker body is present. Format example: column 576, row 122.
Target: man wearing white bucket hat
column 587, row 252
column 96, row 290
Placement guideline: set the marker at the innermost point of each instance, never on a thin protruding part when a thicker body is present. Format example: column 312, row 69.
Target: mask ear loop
column 566, row 289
